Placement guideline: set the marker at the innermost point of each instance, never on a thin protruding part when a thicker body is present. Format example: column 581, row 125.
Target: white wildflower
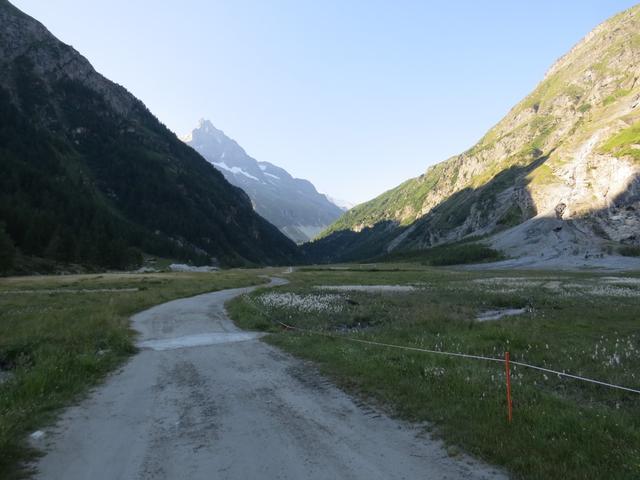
column 328, row 303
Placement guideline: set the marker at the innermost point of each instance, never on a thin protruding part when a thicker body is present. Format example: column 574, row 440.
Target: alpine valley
column 90, row 176
column 132, row 347
column 291, row 204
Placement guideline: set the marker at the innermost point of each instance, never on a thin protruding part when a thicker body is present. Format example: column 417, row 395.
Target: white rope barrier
column 464, row 355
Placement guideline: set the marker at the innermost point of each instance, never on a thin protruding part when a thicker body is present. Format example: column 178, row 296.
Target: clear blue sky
column 355, row 95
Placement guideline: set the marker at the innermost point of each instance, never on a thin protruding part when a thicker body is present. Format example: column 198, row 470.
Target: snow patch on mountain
column 235, row 170
column 291, row 204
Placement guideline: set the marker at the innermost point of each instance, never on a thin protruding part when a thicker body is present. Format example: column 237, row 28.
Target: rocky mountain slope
column 563, row 166
column 89, row 175
column 291, row 204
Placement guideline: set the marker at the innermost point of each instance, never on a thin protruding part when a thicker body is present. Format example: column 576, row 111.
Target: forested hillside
column 91, row 176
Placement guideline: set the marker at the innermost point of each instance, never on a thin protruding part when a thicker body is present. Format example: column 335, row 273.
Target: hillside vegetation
column 571, row 146
column 91, row 176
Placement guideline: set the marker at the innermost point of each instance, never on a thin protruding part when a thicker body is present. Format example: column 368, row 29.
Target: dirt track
column 205, row 400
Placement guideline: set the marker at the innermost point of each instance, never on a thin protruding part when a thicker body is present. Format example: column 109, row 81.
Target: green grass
column 623, row 142
column 451, row 254
column 562, row 429
column 543, row 175
column 584, row 108
column 629, row 251
column 622, row 92
column 57, row 344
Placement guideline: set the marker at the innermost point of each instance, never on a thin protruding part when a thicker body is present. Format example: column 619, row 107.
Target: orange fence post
column 508, row 372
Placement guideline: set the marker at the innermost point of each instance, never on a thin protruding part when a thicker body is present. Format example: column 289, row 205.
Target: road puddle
column 200, row 340
column 498, row 314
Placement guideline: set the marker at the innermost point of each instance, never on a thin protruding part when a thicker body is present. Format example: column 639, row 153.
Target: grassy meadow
column 60, row 335
column 582, row 323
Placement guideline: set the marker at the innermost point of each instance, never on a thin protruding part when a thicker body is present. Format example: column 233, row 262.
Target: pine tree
column 7, row 250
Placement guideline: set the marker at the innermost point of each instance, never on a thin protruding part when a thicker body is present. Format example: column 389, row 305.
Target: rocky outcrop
column 569, row 151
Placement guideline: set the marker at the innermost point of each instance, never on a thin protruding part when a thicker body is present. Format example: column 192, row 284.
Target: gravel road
column 204, row 400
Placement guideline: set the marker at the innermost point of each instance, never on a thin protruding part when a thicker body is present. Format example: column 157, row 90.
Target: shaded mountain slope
column 91, row 176
column 569, row 150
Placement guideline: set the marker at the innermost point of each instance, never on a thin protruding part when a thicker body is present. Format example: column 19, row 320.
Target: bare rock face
column 569, row 151
column 25, row 40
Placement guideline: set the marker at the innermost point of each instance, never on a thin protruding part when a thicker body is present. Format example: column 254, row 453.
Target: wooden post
column 508, row 372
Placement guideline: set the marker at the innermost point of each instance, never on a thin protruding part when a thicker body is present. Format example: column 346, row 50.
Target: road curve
column 204, row 400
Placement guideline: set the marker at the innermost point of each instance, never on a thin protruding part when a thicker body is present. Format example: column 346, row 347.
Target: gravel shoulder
column 231, row 407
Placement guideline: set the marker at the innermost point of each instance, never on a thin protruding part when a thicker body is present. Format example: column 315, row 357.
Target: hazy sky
column 356, row 96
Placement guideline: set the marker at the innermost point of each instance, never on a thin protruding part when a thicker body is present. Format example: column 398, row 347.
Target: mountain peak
column 206, row 126
column 206, row 133
column 291, row 204
column 204, row 129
